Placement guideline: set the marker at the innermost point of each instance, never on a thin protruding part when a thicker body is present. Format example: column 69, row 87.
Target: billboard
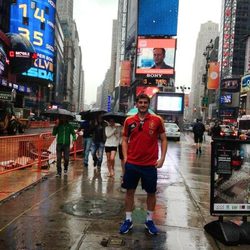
column 172, row 103
column 228, row 112
column 229, row 22
column 125, row 73
column 157, row 18
column 226, row 99
column 3, row 58
column 213, row 75
column 155, row 57
column 245, row 84
column 230, row 180
column 35, row 20
column 149, row 91
column 230, row 85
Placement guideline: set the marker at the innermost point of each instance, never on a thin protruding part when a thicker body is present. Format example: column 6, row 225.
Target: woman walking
column 112, row 133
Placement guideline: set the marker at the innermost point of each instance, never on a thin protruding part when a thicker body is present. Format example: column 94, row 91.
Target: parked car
column 228, row 131
column 188, row 127
column 172, row 130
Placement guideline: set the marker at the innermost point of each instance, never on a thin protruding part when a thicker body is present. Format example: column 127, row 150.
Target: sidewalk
column 182, row 207
column 13, row 183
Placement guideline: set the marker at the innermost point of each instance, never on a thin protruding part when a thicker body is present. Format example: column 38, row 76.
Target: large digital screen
column 226, row 99
column 230, row 85
column 230, row 180
column 155, row 57
column 36, row 21
column 245, row 84
column 2, row 60
column 148, row 90
column 170, row 103
column 228, row 112
column 157, row 18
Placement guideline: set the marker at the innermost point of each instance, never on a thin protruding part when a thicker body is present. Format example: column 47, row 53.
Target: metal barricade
column 77, row 146
column 36, row 151
column 15, row 152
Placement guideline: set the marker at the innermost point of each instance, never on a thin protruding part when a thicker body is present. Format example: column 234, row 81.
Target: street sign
column 5, row 96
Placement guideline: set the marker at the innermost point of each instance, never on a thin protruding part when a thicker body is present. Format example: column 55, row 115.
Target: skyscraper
column 65, row 9
column 235, row 29
column 207, row 32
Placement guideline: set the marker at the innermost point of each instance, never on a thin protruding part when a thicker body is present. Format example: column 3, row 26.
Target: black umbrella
column 92, row 114
column 118, row 117
column 57, row 113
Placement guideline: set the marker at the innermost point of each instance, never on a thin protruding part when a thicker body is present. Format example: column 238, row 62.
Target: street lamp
column 183, row 88
column 184, row 91
column 50, row 87
column 205, row 99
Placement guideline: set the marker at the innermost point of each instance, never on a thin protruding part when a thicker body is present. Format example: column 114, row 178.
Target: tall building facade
column 73, row 77
column 65, row 8
column 235, row 24
column 208, row 31
column 77, row 69
column 57, row 94
column 108, row 85
column 235, row 28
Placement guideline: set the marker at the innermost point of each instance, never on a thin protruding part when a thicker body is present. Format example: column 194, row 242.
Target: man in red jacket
column 140, row 149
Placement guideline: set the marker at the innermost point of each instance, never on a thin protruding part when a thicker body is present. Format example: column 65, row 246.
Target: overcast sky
column 94, row 23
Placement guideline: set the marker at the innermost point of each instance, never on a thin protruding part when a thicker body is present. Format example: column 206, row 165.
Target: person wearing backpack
column 198, row 130
column 98, row 143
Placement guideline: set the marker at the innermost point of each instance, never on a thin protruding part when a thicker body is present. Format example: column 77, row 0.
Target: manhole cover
column 112, row 242
column 101, row 207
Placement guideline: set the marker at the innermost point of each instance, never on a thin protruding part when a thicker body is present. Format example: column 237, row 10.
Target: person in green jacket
column 63, row 130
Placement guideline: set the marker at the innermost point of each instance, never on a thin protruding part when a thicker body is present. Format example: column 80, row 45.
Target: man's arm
column 164, row 146
column 73, row 133
column 125, row 148
column 55, row 130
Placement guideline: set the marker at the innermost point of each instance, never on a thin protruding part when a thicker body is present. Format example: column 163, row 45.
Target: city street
column 84, row 209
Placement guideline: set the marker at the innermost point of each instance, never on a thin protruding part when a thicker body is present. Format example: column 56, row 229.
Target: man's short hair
column 163, row 50
column 142, row 96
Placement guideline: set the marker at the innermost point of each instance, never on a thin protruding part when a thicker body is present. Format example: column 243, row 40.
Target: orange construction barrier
column 77, row 146
column 36, row 151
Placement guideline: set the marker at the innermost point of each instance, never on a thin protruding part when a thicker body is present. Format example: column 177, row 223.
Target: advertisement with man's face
column 155, row 57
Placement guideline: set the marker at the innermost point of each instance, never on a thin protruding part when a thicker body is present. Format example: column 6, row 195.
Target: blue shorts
column 133, row 173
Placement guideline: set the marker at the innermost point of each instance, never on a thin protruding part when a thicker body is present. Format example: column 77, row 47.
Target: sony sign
column 154, row 75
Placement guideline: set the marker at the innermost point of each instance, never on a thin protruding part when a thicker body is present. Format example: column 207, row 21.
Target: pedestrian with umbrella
column 57, row 113
column 119, row 117
column 98, row 142
column 63, row 130
column 112, row 132
column 88, row 129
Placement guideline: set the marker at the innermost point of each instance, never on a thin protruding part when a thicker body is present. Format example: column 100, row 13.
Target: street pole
column 50, row 87
column 205, row 99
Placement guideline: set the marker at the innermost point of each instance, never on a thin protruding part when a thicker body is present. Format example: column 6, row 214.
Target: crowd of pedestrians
column 137, row 144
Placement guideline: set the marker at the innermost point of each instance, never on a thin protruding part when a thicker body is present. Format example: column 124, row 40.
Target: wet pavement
column 84, row 209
